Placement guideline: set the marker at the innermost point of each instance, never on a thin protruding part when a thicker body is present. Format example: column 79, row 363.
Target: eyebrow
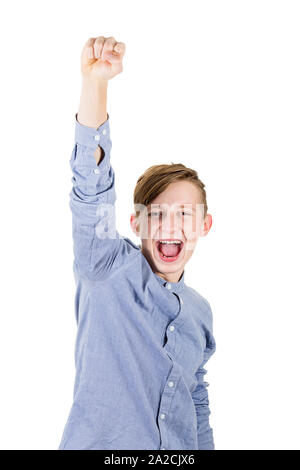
column 158, row 206
column 183, row 206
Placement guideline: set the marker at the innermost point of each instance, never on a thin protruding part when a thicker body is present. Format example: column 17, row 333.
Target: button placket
column 171, row 384
column 166, row 399
column 169, row 390
column 173, row 330
column 170, row 330
column 170, row 345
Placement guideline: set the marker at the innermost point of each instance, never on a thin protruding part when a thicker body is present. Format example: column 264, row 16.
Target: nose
column 171, row 226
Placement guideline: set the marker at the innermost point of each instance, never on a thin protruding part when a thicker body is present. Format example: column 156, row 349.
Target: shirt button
column 104, row 131
column 172, row 328
column 97, row 137
column 171, row 384
column 162, row 416
column 168, row 286
column 96, row 171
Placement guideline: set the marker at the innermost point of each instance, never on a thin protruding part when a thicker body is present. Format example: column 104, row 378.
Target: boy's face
column 176, row 215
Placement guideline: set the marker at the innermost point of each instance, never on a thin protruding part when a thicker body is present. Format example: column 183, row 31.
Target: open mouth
column 169, row 250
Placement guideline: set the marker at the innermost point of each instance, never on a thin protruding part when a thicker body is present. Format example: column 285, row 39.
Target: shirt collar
column 172, row 286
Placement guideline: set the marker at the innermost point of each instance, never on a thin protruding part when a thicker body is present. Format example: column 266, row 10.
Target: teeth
column 170, row 242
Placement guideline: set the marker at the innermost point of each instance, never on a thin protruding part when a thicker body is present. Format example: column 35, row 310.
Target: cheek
column 191, row 233
column 148, row 229
column 190, row 227
column 153, row 227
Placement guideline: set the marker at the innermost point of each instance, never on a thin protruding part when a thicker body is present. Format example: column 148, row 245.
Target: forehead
column 179, row 193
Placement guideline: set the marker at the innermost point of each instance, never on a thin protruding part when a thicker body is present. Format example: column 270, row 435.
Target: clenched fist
column 101, row 58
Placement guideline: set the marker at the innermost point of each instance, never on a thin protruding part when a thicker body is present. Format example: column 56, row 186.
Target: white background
column 211, row 84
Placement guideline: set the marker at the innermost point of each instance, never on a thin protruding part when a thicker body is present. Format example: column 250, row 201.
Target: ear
column 134, row 225
column 206, row 225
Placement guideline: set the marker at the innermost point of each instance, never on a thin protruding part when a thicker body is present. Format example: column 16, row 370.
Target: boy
column 143, row 334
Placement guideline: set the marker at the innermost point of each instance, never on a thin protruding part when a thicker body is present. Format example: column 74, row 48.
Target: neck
column 169, row 277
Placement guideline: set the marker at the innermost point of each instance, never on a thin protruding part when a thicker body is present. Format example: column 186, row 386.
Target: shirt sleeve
column 98, row 247
column 200, row 395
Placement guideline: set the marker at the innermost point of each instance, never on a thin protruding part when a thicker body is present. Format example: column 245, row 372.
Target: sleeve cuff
column 91, row 137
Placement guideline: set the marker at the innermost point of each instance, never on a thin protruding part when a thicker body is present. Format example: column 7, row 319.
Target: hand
column 101, row 58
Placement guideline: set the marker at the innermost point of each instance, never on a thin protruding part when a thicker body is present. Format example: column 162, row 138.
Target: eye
column 154, row 214
column 185, row 213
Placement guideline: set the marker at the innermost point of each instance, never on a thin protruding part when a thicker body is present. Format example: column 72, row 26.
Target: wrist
column 95, row 84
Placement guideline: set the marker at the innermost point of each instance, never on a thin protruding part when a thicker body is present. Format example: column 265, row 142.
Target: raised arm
column 92, row 108
column 98, row 247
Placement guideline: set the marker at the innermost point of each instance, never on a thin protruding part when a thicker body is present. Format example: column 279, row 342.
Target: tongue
column 169, row 250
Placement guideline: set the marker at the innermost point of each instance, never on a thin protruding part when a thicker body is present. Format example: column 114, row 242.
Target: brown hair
column 156, row 179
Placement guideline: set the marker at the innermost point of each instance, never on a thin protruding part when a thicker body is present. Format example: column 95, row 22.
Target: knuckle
column 120, row 47
column 100, row 39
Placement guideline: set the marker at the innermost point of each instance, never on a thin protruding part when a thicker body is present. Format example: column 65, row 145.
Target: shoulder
column 203, row 306
column 118, row 254
column 130, row 244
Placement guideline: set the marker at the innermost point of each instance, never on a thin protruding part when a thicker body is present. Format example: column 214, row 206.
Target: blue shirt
column 142, row 342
